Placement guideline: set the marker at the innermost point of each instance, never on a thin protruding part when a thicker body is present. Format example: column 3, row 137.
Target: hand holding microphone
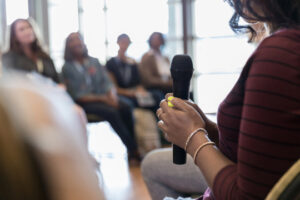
column 178, row 119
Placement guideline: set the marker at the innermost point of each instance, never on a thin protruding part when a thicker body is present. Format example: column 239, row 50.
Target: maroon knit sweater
column 259, row 121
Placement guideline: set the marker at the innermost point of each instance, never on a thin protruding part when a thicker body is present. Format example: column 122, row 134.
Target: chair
column 288, row 186
column 92, row 118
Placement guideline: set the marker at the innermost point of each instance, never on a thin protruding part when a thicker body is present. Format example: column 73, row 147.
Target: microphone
column 181, row 72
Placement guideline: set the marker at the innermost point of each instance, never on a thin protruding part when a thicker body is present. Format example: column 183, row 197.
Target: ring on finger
column 161, row 122
column 158, row 115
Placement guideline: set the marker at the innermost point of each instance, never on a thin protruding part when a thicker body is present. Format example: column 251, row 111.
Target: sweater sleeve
column 148, row 77
column 269, row 133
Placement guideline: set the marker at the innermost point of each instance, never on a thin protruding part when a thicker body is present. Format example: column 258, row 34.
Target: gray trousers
column 163, row 178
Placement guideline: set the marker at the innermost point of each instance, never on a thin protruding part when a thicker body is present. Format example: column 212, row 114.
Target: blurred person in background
column 124, row 72
column 25, row 51
column 0, row 61
column 43, row 156
column 90, row 86
column 155, row 67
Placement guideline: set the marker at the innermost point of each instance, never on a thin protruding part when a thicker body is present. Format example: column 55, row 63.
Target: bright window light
column 63, row 19
column 134, row 17
column 16, row 9
column 219, row 55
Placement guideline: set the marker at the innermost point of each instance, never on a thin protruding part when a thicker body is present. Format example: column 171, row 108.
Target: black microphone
column 181, row 71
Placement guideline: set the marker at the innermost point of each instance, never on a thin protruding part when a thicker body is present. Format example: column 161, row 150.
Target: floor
column 117, row 179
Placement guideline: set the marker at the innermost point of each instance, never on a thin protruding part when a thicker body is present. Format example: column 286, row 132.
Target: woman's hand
column 210, row 126
column 179, row 121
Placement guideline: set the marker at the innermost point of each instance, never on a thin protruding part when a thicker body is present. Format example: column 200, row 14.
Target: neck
column 157, row 50
column 27, row 50
column 80, row 59
column 122, row 55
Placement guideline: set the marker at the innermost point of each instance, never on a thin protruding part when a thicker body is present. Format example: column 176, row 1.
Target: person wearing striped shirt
column 257, row 135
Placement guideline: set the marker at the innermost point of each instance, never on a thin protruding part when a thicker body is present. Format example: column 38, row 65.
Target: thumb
column 177, row 103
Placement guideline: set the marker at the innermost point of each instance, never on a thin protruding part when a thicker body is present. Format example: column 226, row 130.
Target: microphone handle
column 179, row 154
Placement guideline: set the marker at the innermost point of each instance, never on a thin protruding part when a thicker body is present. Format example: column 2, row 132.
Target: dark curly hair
column 276, row 13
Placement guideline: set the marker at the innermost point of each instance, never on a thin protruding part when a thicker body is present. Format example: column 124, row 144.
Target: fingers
column 161, row 115
column 179, row 104
column 190, row 102
column 162, row 126
column 165, row 109
column 159, row 112
column 164, row 106
column 168, row 95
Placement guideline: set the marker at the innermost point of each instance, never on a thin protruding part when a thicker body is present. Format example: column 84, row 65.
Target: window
column 219, row 54
column 2, row 24
column 174, row 43
column 63, row 19
column 103, row 21
column 93, row 27
column 16, row 9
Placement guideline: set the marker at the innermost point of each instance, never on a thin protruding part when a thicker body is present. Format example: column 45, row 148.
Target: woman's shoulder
column 283, row 38
column 277, row 56
column 149, row 54
column 10, row 58
column 10, row 55
column 67, row 66
column 148, row 58
column 282, row 45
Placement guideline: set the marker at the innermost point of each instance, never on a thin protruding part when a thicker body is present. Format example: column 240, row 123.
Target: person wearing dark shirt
column 256, row 138
column 125, row 74
column 25, row 52
column 90, row 87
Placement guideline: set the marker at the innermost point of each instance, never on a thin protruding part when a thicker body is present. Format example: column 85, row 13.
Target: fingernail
column 169, row 101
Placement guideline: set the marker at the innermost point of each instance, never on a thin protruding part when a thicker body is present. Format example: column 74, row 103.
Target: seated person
column 125, row 74
column 256, row 138
column 26, row 53
column 89, row 85
column 154, row 67
column 43, row 156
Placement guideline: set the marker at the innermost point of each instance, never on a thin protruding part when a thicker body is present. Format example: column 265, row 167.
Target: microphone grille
column 182, row 63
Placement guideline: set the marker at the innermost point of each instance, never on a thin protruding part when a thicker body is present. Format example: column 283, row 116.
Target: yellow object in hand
column 169, row 101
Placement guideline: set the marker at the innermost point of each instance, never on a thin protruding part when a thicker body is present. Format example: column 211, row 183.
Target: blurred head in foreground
column 42, row 151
